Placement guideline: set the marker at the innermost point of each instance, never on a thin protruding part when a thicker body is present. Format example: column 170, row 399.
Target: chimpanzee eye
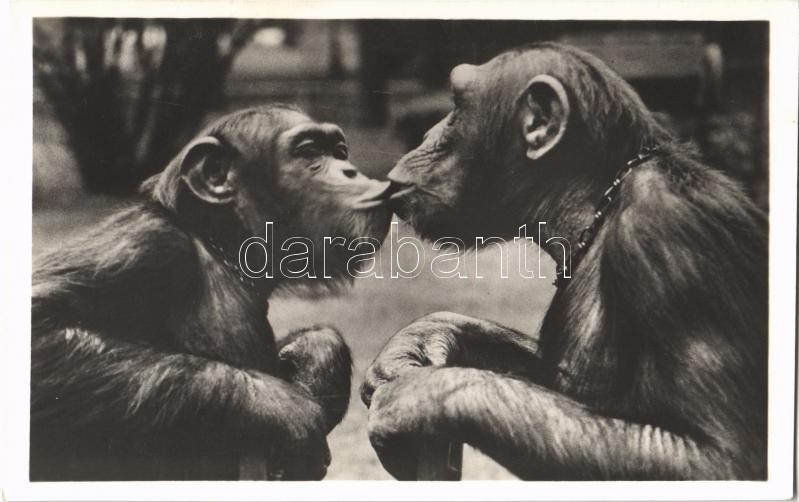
column 307, row 149
column 341, row 152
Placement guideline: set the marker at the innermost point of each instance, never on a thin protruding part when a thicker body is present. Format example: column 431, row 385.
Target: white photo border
column 15, row 253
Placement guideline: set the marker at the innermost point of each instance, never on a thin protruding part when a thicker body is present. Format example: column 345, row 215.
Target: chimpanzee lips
column 396, row 190
column 396, row 197
column 374, row 198
column 390, row 192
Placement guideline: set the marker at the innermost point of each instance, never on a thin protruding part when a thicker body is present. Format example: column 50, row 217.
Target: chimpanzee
column 152, row 356
column 651, row 360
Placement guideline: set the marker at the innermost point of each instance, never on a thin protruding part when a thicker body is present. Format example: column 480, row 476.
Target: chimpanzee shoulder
column 138, row 259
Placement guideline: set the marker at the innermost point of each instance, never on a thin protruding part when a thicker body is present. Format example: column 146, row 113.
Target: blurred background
column 115, row 99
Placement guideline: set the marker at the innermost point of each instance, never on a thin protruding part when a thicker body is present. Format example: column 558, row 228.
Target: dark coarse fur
column 665, row 320
column 651, row 361
column 151, row 359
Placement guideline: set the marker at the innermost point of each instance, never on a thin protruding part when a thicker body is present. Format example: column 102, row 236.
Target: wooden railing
column 440, row 460
column 253, row 466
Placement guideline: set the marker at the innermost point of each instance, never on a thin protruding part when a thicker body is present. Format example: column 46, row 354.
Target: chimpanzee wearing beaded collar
column 651, row 363
column 564, row 271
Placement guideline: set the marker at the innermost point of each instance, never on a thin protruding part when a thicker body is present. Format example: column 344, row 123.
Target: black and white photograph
column 490, row 252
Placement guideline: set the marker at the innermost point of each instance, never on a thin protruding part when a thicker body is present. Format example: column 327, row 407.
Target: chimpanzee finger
column 373, row 379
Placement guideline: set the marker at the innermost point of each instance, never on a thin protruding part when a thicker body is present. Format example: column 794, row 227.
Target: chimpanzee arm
column 81, row 379
column 534, row 432
column 448, row 339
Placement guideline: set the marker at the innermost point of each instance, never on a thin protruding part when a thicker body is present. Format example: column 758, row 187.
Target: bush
column 129, row 91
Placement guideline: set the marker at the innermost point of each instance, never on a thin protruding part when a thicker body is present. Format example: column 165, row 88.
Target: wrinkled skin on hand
column 399, row 423
column 318, row 361
column 429, row 341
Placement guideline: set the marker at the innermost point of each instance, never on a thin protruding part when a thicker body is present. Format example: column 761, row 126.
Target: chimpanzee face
column 277, row 165
column 473, row 171
column 322, row 192
column 431, row 181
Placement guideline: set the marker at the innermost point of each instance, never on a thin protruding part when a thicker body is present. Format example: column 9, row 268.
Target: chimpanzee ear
column 205, row 168
column 545, row 114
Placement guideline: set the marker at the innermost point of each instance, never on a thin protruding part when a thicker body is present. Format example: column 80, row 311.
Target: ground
column 367, row 314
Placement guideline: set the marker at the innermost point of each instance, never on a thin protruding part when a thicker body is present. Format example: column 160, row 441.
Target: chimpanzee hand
column 428, row 341
column 447, row 339
column 318, row 360
column 292, row 427
column 405, row 413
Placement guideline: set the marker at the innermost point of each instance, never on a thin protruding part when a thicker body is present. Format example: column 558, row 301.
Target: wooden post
column 253, row 466
column 440, row 460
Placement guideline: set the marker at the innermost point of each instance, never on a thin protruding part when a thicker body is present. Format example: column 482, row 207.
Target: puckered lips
column 397, row 190
column 373, row 198
column 385, row 193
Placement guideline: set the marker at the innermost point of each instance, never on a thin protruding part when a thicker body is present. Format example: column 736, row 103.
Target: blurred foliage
column 737, row 142
column 129, row 91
